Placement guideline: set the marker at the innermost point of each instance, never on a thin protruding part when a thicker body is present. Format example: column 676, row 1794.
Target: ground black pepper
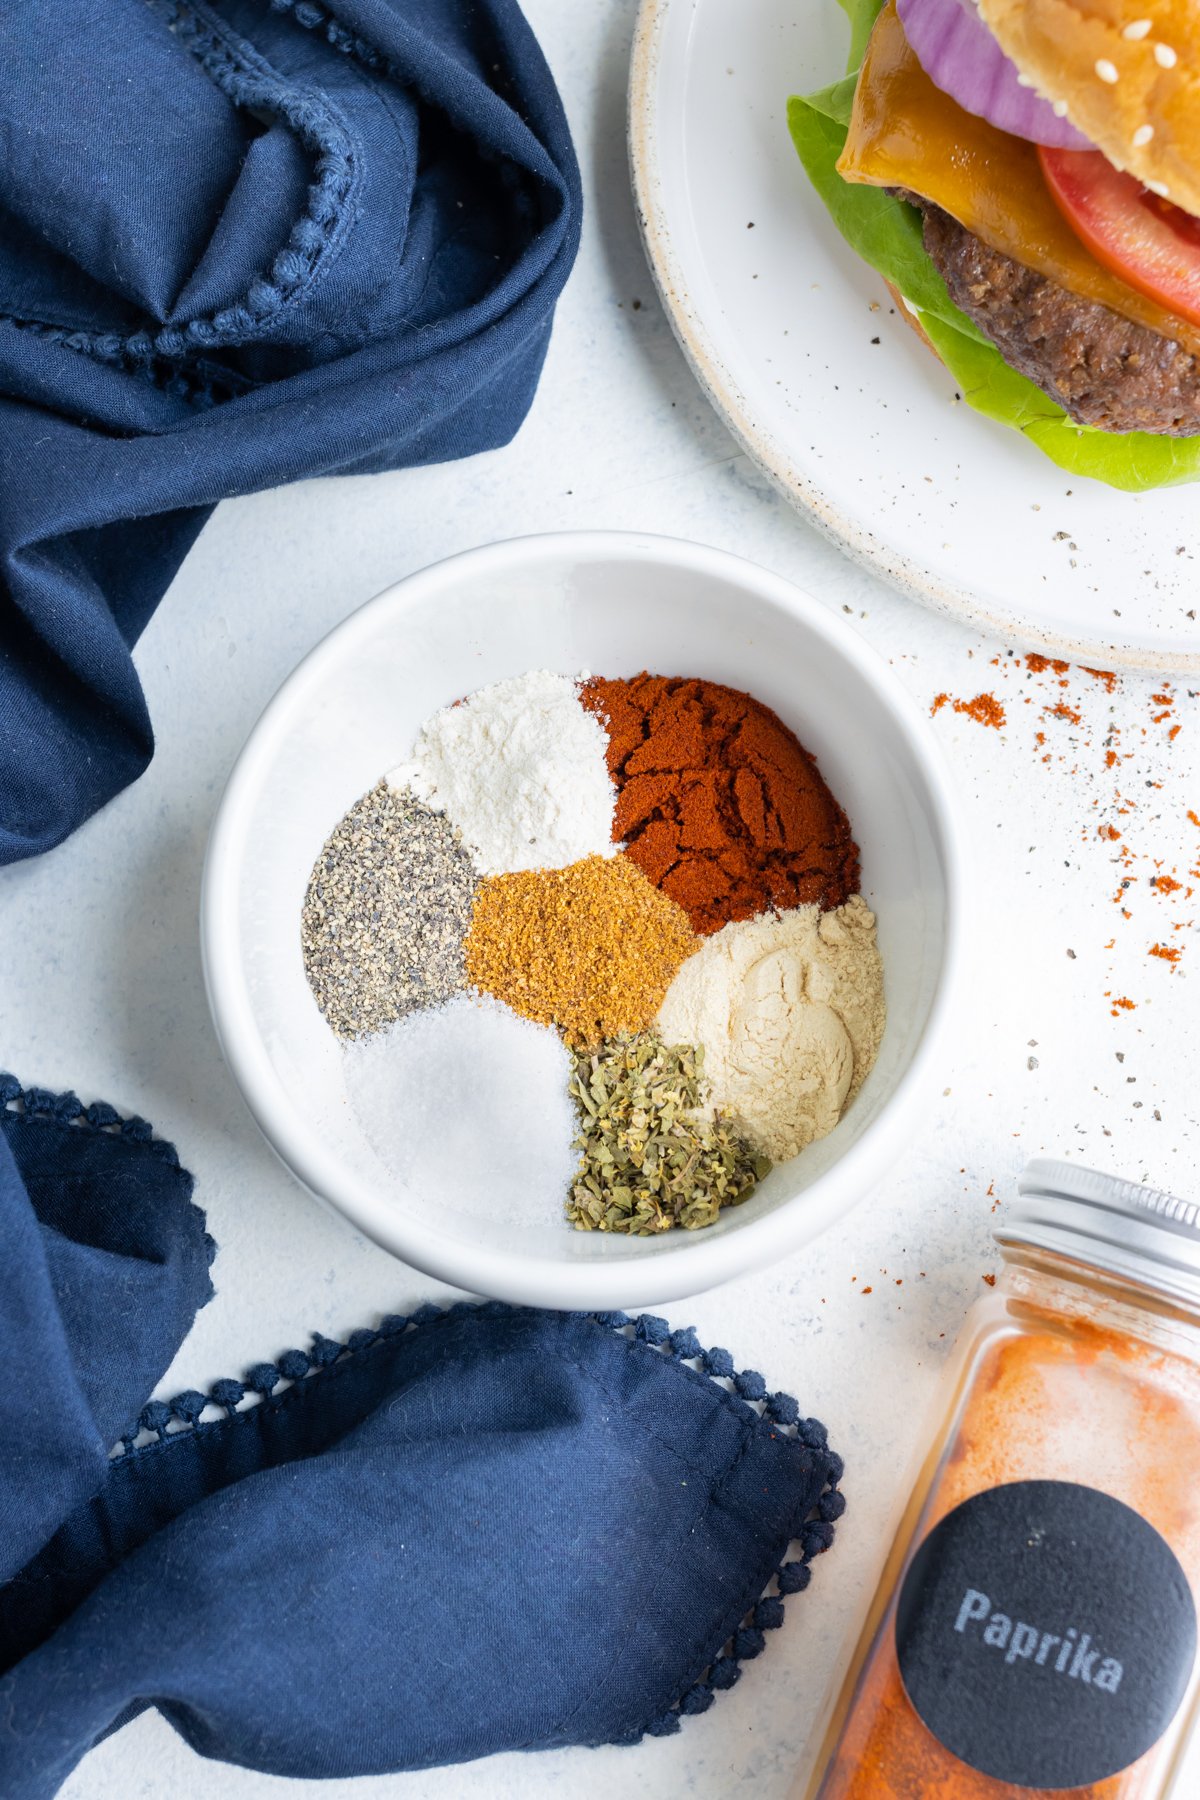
column 386, row 913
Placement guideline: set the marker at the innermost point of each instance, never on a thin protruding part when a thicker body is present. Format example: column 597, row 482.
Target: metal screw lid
column 1139, row 1234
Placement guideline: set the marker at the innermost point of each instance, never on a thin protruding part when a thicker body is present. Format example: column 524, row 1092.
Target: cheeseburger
column 1026, row 176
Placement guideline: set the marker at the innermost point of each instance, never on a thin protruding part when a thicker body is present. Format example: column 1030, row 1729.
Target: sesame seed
column 1142, row 135
column 1164, row 56
column 1059, row 108
column 1107, row 71
column 1139, row 29
column 1160, row 188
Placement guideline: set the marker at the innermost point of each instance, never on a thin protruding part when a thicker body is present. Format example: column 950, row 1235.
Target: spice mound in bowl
column 596, row 952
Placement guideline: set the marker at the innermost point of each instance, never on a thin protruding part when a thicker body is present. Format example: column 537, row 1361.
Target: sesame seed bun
column 1126, row 73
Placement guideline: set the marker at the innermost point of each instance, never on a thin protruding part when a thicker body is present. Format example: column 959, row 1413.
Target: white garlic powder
column 520, row 767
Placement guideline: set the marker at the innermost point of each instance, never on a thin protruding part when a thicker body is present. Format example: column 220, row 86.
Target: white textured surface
column 102, row 990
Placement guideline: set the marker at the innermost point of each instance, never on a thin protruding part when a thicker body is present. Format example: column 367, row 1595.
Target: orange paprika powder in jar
column 1035, row 1630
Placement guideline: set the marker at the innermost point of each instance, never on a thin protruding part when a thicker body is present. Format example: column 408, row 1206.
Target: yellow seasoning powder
column 591, row 948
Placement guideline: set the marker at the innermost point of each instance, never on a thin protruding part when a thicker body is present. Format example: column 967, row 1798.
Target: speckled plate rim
column 698, row 1262
column 696, row 340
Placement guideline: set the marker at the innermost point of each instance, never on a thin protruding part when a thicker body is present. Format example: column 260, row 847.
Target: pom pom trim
column 39, row 1106
column 746, row 1392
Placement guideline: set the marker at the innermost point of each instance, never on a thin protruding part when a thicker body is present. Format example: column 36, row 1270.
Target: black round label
column 1045, row 1634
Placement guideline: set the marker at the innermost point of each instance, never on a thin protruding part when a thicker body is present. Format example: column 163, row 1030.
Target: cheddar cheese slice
column 905, row 133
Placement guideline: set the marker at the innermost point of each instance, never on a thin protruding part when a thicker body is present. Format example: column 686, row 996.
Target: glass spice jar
column 1035, row 1627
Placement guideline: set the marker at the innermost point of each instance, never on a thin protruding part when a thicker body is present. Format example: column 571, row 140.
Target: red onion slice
column 960, row 55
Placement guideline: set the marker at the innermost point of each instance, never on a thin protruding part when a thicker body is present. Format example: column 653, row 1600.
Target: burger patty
column 1101, row 369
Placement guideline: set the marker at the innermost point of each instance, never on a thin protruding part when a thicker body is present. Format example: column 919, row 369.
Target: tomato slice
column 1149, row 243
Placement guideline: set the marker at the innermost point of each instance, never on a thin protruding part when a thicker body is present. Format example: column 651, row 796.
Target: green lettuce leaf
column 886, row 233
column 862, row 15
column 1134, row 460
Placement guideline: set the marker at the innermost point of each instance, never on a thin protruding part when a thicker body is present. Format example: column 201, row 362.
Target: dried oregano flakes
column 648, row 1161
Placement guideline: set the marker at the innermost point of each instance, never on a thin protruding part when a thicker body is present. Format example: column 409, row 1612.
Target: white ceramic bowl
column 612, row 603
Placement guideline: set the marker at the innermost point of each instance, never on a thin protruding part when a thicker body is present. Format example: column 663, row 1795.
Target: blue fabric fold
column 483, row 1529
column 241, row 243
column 104, row 1266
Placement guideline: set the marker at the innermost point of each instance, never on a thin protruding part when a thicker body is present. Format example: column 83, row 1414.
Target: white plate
column 616, row 603
column 773, row 310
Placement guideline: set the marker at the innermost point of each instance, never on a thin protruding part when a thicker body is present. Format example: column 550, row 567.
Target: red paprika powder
column 718, row 803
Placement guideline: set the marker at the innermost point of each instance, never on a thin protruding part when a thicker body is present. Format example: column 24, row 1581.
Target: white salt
column 466, row 1106
column 520, row 767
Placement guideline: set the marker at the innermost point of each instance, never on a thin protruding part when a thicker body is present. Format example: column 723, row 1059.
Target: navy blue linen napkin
column 241, row 243
column 103, row 1266
column 480, row 1529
